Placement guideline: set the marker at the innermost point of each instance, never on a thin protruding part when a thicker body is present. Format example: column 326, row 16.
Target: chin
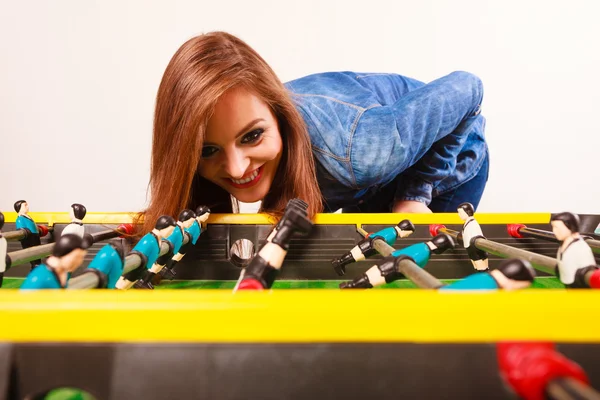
column 249, row 197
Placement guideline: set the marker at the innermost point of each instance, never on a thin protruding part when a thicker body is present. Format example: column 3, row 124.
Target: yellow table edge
column 299, row 316
column 326, row 219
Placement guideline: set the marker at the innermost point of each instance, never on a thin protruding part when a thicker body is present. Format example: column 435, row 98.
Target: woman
column 225, row 125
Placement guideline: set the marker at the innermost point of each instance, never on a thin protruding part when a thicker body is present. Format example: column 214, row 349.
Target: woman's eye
column 208, row 151
column 253, row 136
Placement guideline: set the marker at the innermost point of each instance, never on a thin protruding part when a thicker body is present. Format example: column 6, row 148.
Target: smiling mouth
column 249, row 181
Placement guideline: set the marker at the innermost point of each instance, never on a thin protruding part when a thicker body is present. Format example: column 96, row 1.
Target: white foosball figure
column 470, row 232
column 76, row 227
column 575, row 257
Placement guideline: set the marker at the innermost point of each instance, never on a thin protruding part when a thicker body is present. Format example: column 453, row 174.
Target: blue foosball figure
column 67, row 255
column 24, row 221
column 108, row 265
column 386, row 270
column 148, row 249
column 511, row 274
column 192, row 229
column 175, row 241
column 365, row 248
column 4, row 259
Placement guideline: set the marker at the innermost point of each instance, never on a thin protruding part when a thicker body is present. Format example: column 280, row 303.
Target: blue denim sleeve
column 419, row 136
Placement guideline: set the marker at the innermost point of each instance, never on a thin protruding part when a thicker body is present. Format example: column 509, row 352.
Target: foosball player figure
column 24, row 221
column 148, row 249
column 575, row 257
column 67, row 255
column 263, row 269
column 193, row 230
column 77, row 214
column 108, row 265
column 511, row 274
column 365, row 248
column 296, row 203
column 471, row 231
column 386, row 271
column 175, row 240
column 4, row 259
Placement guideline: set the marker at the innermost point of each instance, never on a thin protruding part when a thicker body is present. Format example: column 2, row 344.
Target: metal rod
column 590, row 234
column 570, row 389
column 408, row 268
column 538, row 261
column 546, row 235
column 84, row 281
column 538, row 234
column 132, row 261
column 38, row 252
column 32, row 253
column 14, row 235
column 362, row 232
column 594, row 244
column 20, row 234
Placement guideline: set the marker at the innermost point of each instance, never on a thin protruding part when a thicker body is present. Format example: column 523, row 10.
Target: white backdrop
column 78, row 80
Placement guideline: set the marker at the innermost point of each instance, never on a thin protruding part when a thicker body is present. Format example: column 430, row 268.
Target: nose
column 236, row 163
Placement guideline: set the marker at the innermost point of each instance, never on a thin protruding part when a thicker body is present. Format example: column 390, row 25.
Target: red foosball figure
column 263, row 269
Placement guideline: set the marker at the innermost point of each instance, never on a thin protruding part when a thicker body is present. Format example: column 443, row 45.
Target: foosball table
column 194, row 337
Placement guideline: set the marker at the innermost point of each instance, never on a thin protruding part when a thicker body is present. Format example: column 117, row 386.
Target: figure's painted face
column 560, row 230
column 188, row 222
column 203, row 218
column 404, row 234
column 242, row 147
column 72, row 214
column 462, row 214
column 70, row 262
column 166, row 232
column 507, row 283
column 24, row 208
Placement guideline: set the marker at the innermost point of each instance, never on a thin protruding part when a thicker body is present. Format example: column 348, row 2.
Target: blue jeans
column 366, row 130
column 470, row 191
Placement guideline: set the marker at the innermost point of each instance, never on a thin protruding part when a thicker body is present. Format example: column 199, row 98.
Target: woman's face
column 242, row 146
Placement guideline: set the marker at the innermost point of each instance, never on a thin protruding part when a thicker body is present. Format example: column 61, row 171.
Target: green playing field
column 539, row 283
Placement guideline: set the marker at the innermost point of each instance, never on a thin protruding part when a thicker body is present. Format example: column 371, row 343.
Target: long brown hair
column 200, row 72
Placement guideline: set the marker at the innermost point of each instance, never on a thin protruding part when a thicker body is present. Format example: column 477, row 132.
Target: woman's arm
column 410, row 206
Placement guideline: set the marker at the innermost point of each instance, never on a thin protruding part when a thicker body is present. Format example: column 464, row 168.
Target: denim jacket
column 368, row 130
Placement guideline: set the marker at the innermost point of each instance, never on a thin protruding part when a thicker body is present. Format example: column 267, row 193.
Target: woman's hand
column 410, row 206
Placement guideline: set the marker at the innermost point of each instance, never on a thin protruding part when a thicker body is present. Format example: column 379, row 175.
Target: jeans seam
column 319, row 150
column 349, row 147
column 332, row 99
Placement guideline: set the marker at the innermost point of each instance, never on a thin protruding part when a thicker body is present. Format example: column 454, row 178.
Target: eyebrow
column 245, row 129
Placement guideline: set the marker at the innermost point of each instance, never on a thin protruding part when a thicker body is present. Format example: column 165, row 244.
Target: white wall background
column 78, row 80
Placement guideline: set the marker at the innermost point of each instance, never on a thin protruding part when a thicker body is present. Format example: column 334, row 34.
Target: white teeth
column 248, row 179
